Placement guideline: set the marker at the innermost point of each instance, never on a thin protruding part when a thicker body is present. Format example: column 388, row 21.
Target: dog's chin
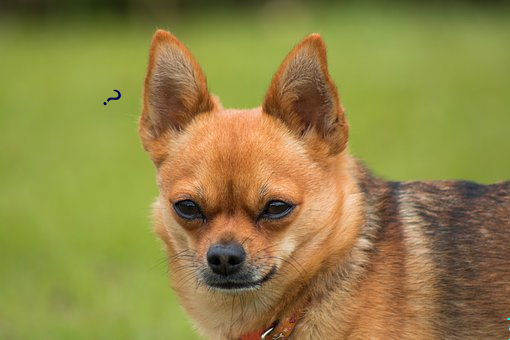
column 237, row 284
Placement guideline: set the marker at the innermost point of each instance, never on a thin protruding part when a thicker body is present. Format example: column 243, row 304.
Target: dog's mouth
column 232, row 284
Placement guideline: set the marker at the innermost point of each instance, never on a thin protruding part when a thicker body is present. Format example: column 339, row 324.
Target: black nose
column 226, row 259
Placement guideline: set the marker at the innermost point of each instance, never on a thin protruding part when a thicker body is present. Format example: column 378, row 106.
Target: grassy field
column 427, row 96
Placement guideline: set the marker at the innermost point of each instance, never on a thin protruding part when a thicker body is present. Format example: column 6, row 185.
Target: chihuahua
column 273, row 230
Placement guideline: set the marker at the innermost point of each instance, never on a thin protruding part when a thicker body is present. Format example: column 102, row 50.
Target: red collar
column 278, row 330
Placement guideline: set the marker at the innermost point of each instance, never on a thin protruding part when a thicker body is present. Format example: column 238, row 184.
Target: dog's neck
column 280, row 329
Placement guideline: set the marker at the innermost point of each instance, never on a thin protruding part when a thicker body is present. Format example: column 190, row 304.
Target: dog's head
column 246, row 196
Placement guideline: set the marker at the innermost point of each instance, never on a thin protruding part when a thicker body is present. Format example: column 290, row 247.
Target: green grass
column 427, row 96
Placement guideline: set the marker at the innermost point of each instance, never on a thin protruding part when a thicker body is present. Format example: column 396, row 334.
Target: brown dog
column 272, row 228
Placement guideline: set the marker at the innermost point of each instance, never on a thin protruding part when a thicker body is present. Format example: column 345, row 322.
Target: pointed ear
column 175, row 89
column 305, row 98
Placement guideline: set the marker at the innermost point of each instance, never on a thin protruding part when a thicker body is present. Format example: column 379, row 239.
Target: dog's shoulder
column 456, row 204
column 439, row 204
column 447, row 243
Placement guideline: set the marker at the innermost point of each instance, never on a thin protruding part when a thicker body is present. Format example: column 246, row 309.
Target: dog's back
column 447, row 244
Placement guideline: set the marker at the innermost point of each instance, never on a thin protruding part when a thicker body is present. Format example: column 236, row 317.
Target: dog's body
column 267, row 219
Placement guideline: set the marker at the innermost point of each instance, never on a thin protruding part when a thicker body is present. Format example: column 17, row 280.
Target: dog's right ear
column 175, row 89
column 303, row 96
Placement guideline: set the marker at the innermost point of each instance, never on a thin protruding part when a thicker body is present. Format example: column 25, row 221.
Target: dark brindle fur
column 461, row 235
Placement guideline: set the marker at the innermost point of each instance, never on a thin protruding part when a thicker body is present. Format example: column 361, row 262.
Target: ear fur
column 305, row 98
column 175, row 88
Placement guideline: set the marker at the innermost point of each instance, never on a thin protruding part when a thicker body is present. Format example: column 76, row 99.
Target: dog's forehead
column 239, row 142
column 243, row 151
column 237, row 138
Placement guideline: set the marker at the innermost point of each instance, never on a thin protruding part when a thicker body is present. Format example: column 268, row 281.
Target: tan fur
column 355, row 254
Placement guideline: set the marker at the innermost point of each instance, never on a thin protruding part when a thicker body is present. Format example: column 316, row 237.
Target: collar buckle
column 274, row 337
column 266, row 333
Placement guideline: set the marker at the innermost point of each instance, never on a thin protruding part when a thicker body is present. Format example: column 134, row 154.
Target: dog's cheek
column 316, row 220
column 287, row 245
column 168, row 229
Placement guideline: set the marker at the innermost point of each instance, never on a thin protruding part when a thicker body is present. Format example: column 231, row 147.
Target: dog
column 273, row 230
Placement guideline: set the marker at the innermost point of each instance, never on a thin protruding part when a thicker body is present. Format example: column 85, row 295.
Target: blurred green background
column 426, row 88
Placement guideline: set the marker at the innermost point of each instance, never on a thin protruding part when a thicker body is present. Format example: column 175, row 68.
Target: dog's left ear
column 175, row 90
column 305, row 98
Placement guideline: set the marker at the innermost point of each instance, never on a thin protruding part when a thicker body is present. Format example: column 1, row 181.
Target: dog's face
column 246, row 196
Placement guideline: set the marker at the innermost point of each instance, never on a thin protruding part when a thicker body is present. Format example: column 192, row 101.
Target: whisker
column 161, row 263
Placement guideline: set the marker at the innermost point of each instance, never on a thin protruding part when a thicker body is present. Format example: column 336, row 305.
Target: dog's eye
column 188, row 210
column 275, row 210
